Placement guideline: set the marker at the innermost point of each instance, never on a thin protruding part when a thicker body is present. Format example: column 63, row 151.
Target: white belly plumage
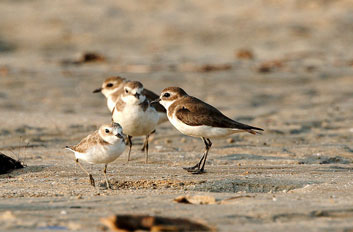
column 201, row 131
column 102, row 154
column 110, row 104
column 135, row 121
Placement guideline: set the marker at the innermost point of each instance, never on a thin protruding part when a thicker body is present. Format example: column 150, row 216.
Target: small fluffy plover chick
column 112, row 88
column 196, row 118
column 101, row 147
column 135, row 114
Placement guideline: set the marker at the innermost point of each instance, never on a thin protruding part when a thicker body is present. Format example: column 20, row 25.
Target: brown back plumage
column 87, row 142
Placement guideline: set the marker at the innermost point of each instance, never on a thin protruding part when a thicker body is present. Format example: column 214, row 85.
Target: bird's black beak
column 137, row 95
column 120, row 136
column 97, row 90
column 155, row 101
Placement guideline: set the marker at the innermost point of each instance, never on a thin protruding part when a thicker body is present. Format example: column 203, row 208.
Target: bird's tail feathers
column 69, row 148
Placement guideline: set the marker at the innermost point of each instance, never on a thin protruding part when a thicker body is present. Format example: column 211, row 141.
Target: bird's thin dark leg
column 208, row 147
column 105, row 175
column 199, row 167
column 89, row 175
column 144, row 145
column 130, row 145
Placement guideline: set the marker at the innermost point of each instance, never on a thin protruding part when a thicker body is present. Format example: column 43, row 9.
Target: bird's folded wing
column 195, row 112
column 87, row 142
column 151, row 96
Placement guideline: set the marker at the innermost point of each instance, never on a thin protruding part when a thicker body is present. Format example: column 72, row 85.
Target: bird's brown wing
column 86, row 142
column 195, row 112
column 151, row 96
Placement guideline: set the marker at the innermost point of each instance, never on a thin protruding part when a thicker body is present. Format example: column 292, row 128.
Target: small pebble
column 63, row 212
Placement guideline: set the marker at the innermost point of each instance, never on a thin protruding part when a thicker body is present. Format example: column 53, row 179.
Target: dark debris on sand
column 7, row 164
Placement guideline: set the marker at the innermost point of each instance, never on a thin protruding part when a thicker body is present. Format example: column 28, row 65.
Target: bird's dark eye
column 107, row 131
column 109, row 85
column 166, row 95
column 126, row 91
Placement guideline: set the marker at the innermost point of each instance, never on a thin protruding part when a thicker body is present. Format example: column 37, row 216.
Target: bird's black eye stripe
column 110, row 85
column 107, row 131
column 166, row 95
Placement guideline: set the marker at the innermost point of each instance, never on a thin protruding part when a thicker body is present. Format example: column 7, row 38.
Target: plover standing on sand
column 100, row 147
column 135, row 114
column 112, row 89
column 196, row 118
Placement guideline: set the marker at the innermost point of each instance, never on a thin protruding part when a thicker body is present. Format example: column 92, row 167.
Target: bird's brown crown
column 134, row 85
column 113, row 82
column 172, row 93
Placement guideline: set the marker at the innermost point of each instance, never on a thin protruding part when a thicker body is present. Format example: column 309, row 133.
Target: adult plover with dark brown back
column 100, row 147
column 135, row 114
column 196, row 118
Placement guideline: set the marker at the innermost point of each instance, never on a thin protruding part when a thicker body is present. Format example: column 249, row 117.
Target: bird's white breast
column 110, row 104
column 135, row 121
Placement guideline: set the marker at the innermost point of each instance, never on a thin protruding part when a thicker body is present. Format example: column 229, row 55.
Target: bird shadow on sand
column 251, row 157
column 335, row 169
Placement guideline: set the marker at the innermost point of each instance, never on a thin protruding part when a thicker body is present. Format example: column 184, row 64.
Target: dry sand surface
column 285, row 66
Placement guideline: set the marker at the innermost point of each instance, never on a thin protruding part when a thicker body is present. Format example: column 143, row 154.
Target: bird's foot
column 195, row 169
column 105, row 185
column 198, row 171
column 191, row 169
column 91, row 180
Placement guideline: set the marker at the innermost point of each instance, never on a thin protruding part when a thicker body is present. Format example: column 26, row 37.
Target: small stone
column 63, row 212
column 183, row 140
column 230, row 140
column 168, row 141
column 244, row 54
